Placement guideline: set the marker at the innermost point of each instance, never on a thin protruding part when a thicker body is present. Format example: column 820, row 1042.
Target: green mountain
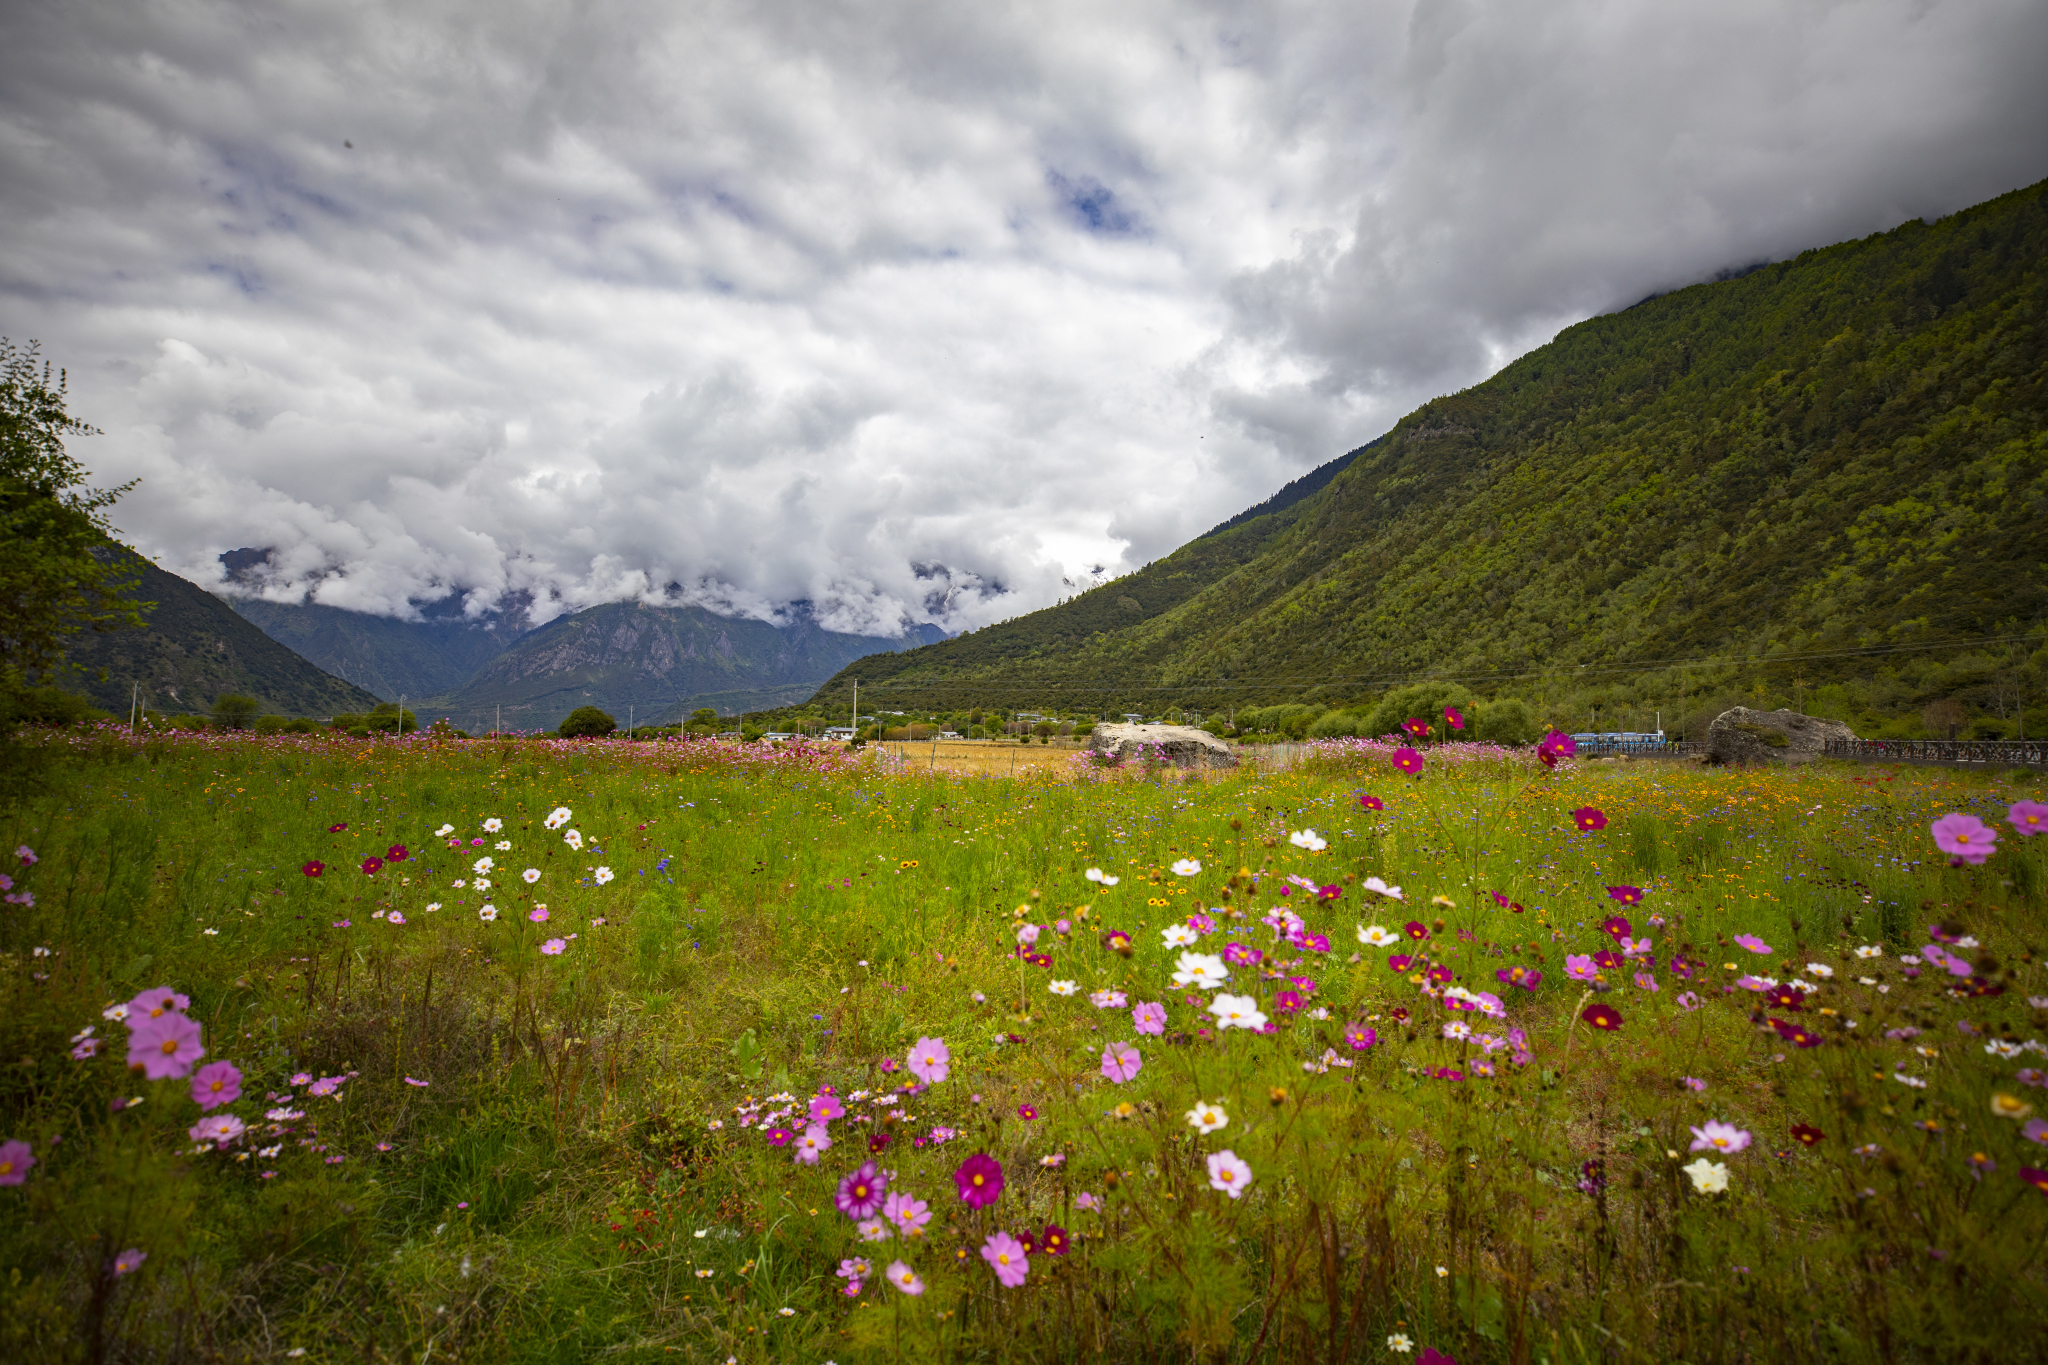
column 653, row 663
column 1766, row 480
column 193, row 650
column 389, row 657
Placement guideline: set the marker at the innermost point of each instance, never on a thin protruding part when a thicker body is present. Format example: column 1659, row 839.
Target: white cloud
column 899, row 309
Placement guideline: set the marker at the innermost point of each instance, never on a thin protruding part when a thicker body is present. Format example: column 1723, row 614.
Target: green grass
column 588, row 1145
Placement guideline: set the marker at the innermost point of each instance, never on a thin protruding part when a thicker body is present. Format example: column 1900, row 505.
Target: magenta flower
column 16, row 1157
column 931, row 1061
column 1965, row 838
column 1717, row 1136
column 1371, row 803
column 1607, row 959
column 1589, row 818
column 1120, row 1062
column 1360, row 1037
column 336, row 829
column 979, row 1180
column 778, row 1137
column 1005, row 1255
column 1287, row 1002
column 1453, row 718
column 1149, row 1018
column 1528, row 978
column 1416, row 727
column 1242, row 955
column 1408, row 761
column 2028, row 817
column 825, row 1108
column 165, row 1048
column 1616, row 927
column 216, row 1084
column 538, row 915
column 1400, row 962
column 1692, row 1083
column 1627, row 895
column 1416, row 930
column 1432, row 1356
column 860, row 1194
column 1752, row 942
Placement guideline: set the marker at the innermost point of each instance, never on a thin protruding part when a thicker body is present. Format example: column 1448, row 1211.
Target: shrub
column 233, row 711
column 300, row 725
column 586, row 721
column 1335, row 725
column 1425, row 701
column 1507, row 721
column 47, row 706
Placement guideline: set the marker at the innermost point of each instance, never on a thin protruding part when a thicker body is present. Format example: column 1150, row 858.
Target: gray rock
column 1740, row 735
column 1181, row 745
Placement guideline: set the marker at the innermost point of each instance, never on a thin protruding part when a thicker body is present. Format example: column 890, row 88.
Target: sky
column 908, row 311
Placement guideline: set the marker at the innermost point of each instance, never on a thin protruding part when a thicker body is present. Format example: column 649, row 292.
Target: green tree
column 586, row 721
column 1419, row 701
column 234, row 711
column 1507, row 721
column 58, row 571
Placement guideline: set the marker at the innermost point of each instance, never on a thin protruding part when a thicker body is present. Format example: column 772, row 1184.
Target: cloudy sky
column 911, row 310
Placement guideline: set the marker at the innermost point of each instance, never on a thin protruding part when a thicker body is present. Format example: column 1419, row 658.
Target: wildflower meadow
column 432, row 1049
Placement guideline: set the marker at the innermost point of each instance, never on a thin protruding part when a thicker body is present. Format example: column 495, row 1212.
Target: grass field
column 719, row 1080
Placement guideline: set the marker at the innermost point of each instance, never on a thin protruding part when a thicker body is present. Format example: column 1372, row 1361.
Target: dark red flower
column 2037, row 1178
column 314, row 868
column 1785, row 998
column 1416, row 930
column 1607, row 959
column 1440, row 974
column 373, row 865
column 1548, row 757
column 877, row 1141
column 1432, row 1356
column 1616, row 928
column 1600, row 1014
column 1053, row 1241
column 1627, row 895
column 1515, row 908
column 1807, row 1133
column 1400, row 1014
column 1372, row 803
column 397, row 853
column 1029, row 1241
column 1445, row 1073
column 1040, row 959
column 336, row 829
column 1796, row 1034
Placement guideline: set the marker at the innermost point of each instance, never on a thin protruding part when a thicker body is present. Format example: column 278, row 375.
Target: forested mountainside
column 195, row 648
column 1828, row 456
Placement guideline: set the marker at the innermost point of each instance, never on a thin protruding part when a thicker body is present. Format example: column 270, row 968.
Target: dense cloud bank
column 908, row 311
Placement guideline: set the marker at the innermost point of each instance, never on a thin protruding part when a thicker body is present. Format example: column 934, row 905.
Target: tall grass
column 584, row 1171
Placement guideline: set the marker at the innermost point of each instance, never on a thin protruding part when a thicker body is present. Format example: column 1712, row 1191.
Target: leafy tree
column 586, row 721
column 46, row 706
column 1507, row 721
column 1422, row 701
column 233, row 711
column 387, row 718
column 58, row 573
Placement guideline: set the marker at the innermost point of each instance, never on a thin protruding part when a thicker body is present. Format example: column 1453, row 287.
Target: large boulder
column 1740, row 735
column 1181, row 745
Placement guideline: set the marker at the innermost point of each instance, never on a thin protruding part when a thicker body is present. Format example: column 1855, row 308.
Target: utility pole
column 135, row 704
column 401, row 715
column 856, row 709
column 498, row 727
column 629, row 720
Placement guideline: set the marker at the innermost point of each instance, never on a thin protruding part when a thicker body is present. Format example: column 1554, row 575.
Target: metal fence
column 2003, row 753
column 1654, row 748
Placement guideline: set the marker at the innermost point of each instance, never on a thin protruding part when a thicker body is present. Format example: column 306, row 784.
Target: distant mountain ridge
column 1847, row 451
column 192, row 650
column 390, row 657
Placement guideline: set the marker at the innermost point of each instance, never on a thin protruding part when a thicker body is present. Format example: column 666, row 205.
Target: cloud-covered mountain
column 911, row 310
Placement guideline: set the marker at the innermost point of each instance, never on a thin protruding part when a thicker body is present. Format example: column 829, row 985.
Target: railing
column 2009, row 753
column 1665, row 748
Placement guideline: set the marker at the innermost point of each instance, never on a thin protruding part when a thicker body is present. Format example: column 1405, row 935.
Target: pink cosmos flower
column 1528, row 978
column 777, row 1137
column 1753, row 943
column 1360, row 1037
column 1689, row 1000
column 155, row 1003
column 931, row 1060
column 539, row 914
column 905, row 1279
column 554, row 946
column 1229, row 1174
column 1027, row 935
column 1107, row 999
column 1717, row 1136
column 813, row 1144
column 1579, row 967
column 1965, row 837
column 1645, row 982
column 1692, row 1083
column 129, row 1261
column 2028, row 817
column 16, row 1157
column 2035, row 1131
column 825, row 1108
column 907, row 1212
column 1005, row 1255
column 979, row 1180
column 165, row 1048
column 1120, row 1062
column 860, row 1195
column 1408, row 761
column 219, row 1129
column 27, row 856
column 1149, row 1018
column 216, row 1084
column 87, row 1047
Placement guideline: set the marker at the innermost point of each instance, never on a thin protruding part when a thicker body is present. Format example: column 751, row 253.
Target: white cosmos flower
column 1870, row 950
column 604, row 874
column 1207, row 1117
column 573, row 839
column 1237, row 1011
column 432, row 906
column 1308, row 839
column 1820, row 969
column 483, row 864
column 444, row 831
column 1187, row 867
column 493, row 825
column 1202, row 970
column 1093, row 874
column 1063, row 987
column 1377, row 936
column 1401, row 1342
column 504, row 845
column 482, row 883
column 487, row 913
column 1708, row 1177
column 1178, row 935
column 531, row 875
column 1108, row 880
column 458, row 883
column 1392, row 893
column 557, row 817
column 115, row 1012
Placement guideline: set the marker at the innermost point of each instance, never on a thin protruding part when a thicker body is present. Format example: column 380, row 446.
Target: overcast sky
column 909, row 310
